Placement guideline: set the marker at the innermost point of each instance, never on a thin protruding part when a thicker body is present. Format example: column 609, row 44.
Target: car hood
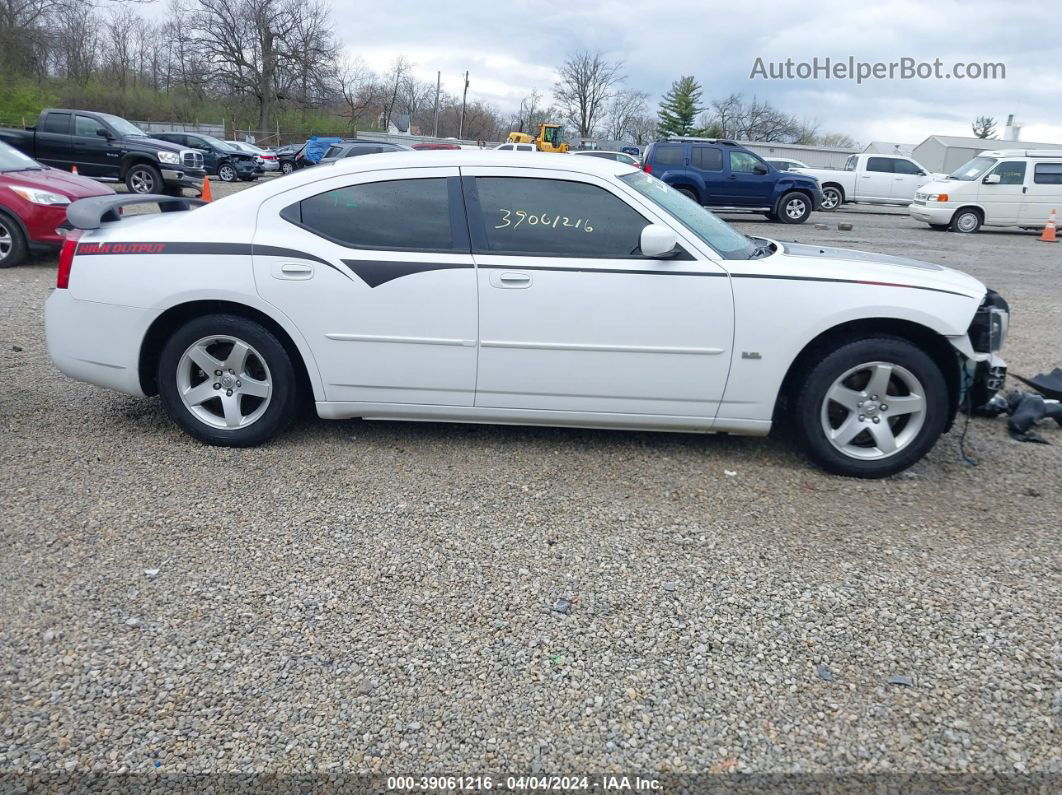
column 62, row 182
column 941, row 184
column 851, row 265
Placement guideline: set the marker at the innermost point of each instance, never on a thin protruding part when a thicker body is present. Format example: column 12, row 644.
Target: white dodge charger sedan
column 514, row 288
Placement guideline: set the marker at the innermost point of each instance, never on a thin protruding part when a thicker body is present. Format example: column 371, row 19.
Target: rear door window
column 707, row 158
column 397, row 215
column 1048, row 174
column 668, row 154
column 880, row 164
column 556, row 218
column 57, row 123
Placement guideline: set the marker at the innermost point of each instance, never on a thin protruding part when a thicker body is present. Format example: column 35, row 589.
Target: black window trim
column 477, row 225
column 458, row 223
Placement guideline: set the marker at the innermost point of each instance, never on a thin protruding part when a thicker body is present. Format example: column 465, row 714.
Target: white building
column 945, row 153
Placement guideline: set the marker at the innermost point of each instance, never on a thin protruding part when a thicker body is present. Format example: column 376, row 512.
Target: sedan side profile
column 517, row 289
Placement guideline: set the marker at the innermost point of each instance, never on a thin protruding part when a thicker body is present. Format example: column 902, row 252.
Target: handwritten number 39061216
column 541, row 219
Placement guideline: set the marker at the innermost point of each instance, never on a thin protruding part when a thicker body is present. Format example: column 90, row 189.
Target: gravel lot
column 425, row 598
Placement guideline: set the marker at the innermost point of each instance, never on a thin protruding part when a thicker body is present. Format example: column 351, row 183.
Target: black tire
column 286, row 167
column 966, row 220
column 227, row 172
column 143, row 178
column 13, row 249
column 688, row 194
column 939, row 227
column 813, row 411
column 283, row 399
column 793, row 208
column 832, row 198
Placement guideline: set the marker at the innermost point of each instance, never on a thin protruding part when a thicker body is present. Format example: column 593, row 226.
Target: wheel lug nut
column 240, row 383
column 862, row 418
column 884, row 407
column 228, row 392
column 217, row 372
column 876, row 419
column 217, row 386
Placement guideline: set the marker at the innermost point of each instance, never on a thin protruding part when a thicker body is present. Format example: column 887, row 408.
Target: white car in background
column 507, row 147
column 785, row 164
column 873, row 179
column 1013, row 187
column 619, row 157
column 517, row 289
column 267, row 158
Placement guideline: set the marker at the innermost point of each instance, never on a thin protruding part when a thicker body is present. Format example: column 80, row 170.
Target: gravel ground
column 421, row 598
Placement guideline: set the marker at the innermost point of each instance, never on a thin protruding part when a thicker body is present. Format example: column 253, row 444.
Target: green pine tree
column 680, row 107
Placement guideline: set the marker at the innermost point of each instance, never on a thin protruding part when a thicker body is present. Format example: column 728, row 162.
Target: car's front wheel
column 286, row 167
column 12, row 242
column 228, row 381
column 794, row 208
column 966, row 220
column 143, row 178
column 871, row 408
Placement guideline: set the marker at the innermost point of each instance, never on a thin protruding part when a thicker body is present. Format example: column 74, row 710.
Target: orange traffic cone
column 1049, row 231
column 205, row 194
column 73, row 169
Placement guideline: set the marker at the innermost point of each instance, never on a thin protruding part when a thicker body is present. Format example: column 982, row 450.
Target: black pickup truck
column 108, row 148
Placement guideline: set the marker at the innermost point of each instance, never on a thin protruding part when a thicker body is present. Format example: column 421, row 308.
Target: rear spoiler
column 93, row 212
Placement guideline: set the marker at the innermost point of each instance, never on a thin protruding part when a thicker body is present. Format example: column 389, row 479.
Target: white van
column 1013, row 187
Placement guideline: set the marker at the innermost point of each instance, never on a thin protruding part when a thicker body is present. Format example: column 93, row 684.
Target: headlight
column 988, row 331
column 936, row 197
column 40, row 196
column 170, row 157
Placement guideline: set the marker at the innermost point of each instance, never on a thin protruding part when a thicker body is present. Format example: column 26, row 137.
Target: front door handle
column 510, row 280
column 293, row 270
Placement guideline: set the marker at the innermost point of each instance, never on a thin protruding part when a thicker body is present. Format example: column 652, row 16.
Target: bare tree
column 359, row 89
column 626, row 107
column 392, row 85
column 586, row 84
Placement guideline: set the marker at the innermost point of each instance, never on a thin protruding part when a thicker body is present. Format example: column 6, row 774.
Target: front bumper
column 936, row 213
column 184, row 178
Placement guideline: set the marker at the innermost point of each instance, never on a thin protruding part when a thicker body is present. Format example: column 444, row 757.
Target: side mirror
column 759, row 169
column 992, row 179
column 104, row 133
column 658, row 242
column 921, row 173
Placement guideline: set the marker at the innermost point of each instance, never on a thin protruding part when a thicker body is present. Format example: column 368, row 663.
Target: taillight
column 66, row 259
column 648, row 169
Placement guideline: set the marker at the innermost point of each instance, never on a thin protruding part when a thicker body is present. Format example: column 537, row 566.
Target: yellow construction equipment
column 547, row 140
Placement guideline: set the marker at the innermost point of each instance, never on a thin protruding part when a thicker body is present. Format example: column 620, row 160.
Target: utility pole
column 438, row 87
column 461, row 125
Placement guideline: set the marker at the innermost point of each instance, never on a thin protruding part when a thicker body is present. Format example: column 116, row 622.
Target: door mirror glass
column 992, row 179
column 658, row 242
column 102, row 133
column 759, row 169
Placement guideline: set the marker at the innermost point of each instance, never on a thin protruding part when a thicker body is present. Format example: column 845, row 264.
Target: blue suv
column 726, row 176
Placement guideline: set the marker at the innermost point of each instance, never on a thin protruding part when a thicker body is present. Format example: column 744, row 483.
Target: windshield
column 121, row 126
column 970, row 171
column 13, row 160
column 217, row 143
column 713, row 230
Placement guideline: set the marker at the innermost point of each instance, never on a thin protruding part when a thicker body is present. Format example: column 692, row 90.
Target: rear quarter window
column 57, row 123
column 1048, row 174
column 668, row 154
column 396, row 215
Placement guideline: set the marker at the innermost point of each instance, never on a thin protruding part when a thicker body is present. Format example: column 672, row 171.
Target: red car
column 33, row 202
column 435, row 146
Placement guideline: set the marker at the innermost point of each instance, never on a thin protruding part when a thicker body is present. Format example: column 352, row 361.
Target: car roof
column 601, row 152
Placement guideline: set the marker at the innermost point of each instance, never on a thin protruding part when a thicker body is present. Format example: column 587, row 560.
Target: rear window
column 1048, row 174
column 397, row 215
column 881, row 164
column 668, row 154
column 333, row 151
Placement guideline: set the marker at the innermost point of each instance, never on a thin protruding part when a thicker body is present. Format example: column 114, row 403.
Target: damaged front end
column 983, row 371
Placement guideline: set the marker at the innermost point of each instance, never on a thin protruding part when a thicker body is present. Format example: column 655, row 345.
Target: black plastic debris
column 1025, row 410
column 1047, row 384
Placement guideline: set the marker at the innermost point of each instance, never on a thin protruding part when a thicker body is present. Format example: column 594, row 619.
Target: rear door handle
column 293, row 270
column 510, row 280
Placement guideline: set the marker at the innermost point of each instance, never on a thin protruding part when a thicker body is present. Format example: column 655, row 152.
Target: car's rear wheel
column 286, row 167
column 143, row 178
column 228, row 381
column 966, row 221
column 687, row 193
column 12, row 242
column 832, row 198
column 227, row 173
column 871, row 408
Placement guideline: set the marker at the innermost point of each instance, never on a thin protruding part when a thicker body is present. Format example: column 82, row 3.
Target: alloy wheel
column 224, row 382
column 874, row 410
column 830, row 199
column 141, row 182
column 7, row 242
column 795, row 208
